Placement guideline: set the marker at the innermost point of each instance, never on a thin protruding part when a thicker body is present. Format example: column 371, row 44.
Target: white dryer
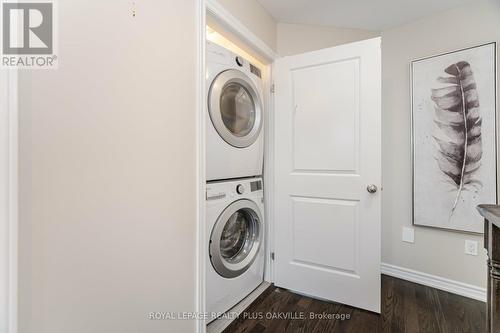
column 234, row 133
column 235, row 231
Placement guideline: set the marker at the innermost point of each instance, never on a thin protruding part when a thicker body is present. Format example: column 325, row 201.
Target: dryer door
column 235, row 108
column 236, row 238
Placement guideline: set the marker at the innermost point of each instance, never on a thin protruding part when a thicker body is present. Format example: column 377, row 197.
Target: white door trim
column 201, row 179
column 8, row 224
column 234, row 26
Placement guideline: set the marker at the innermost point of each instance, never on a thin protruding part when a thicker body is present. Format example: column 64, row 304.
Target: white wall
column 434, row 251
column 254, row 17
column 108, row 171
column 298, row 38
column 287, row 38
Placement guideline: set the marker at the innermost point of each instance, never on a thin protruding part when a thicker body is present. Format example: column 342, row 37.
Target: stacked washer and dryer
column 234, row 160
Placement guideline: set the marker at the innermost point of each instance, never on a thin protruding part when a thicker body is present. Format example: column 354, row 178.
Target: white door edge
column 201, row 179
column 9, row 202
column 269, row 173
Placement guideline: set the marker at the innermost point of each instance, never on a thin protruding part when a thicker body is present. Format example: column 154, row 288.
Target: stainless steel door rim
column 228, row 82
column 226, row 263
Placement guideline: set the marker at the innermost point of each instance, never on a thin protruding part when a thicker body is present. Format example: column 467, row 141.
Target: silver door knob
column 371, row 188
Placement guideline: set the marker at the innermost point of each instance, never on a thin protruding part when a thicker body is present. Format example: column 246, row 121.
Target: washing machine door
column 235, row 108
column 236, row 238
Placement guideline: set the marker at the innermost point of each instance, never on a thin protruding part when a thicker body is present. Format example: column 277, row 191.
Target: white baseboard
column 437, row 282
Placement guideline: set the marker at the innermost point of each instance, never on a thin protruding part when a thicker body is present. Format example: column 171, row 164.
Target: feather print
column 458, row 119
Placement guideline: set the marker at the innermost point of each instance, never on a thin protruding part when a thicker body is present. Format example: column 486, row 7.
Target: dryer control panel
column 218, row 54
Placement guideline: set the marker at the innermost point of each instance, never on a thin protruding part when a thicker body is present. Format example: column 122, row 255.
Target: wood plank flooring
column 406, row 307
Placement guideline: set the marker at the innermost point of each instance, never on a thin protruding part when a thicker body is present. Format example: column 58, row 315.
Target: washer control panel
column 214, row 193
column 233, row 189
column 256, row 185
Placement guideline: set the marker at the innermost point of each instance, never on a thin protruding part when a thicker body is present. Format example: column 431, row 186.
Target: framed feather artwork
column 454, row 137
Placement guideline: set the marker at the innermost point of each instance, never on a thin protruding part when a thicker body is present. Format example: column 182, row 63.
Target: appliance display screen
column 256, row 186
column 255, row 70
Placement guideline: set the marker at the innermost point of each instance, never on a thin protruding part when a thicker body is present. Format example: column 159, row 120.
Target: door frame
column 200, row 325
column 9, row 200
column 231, row 25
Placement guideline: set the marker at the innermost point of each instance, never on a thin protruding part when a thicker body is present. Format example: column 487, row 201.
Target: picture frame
column 454, row 137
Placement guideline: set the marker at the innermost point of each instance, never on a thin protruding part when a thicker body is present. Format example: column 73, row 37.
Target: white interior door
column 327, row 153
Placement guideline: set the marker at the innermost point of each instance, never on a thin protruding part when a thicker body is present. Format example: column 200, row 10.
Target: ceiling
column 374, row 15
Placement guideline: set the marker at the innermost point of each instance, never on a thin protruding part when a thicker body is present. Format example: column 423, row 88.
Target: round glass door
column 239, row 235
column 236, row 238
column 235, row 108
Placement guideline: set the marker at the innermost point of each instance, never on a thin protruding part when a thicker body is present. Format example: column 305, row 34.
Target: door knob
column 371, row 188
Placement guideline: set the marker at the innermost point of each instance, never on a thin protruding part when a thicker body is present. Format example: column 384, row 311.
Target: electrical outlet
column 471, row 247
column 408, row 235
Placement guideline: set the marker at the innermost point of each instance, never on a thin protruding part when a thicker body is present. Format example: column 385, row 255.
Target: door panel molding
column 311, row 123
column 338, row 232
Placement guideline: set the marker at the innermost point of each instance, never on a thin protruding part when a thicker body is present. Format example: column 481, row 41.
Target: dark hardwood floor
column 406, row 307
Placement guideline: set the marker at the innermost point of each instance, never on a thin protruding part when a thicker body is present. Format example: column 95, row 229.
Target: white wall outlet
column 408, row 235
column 471, row 247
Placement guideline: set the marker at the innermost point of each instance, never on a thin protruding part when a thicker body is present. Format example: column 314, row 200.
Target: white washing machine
column 234, row 133
column 235, row 231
